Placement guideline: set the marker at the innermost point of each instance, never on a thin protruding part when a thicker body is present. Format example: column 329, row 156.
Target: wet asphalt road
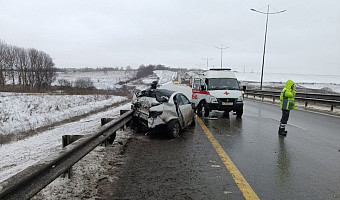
column 304, row 165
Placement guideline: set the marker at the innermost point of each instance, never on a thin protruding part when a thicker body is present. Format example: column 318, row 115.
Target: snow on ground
column 89, row 172
column 101, row 79
column 165, row 76
column 145, row 83
column 24, row 112
column 18, row 155
column 302, row 80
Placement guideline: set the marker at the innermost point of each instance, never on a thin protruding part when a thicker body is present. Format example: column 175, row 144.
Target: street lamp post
column 265, row 36
column 207, row 59
column 221, row 48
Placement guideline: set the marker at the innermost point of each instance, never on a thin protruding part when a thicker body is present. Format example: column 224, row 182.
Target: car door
column 186, row 109
column 199, row 90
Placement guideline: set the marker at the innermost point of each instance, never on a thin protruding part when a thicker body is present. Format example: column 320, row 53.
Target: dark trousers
column 284, row 120
column 285, row 116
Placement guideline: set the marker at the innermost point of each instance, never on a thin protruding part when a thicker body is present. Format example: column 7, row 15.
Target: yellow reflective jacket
column 287, row 96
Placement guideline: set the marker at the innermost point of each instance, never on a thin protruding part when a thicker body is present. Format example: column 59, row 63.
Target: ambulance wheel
column 206, row 110
column 199, row 109
column 239, row 113
column 193, row 122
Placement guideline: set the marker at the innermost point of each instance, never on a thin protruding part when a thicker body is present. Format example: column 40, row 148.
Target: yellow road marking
column 241, row 182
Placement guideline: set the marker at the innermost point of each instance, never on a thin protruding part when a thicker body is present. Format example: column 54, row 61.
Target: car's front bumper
column 232, row 107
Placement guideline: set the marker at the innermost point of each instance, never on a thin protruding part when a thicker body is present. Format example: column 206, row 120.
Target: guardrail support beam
column 66, row 140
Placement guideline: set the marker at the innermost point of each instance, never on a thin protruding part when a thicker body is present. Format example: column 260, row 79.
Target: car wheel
column 206, row 110
column 173, row 129
column 239, row 113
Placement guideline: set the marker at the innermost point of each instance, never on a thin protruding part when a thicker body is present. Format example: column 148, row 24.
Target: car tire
column 239, row 113
column 206, row 111
column 173, row 128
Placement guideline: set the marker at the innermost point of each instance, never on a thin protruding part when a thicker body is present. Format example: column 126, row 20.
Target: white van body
column 217, row 89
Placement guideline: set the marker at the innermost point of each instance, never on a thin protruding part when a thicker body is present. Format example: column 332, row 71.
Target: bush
column 84, row 83
column 144, row 71
column 65, row 83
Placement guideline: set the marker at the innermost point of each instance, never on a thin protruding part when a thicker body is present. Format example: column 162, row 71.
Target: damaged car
column 163, row 108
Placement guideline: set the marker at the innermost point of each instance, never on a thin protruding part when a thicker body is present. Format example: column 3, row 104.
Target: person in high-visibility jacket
column 287, row 99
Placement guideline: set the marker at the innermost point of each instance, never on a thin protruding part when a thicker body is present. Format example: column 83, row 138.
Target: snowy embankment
column 26, row 112
column 331, row 82
column 18, row 155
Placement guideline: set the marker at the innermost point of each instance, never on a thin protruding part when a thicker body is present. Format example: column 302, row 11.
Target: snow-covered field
column 21, row 112
column 302, row 80
column 101, row 80
column 25, row 112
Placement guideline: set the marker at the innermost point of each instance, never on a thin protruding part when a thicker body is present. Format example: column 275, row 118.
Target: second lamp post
column 265, row 37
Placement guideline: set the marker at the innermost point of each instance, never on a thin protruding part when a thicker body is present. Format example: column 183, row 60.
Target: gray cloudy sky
column 178, row 33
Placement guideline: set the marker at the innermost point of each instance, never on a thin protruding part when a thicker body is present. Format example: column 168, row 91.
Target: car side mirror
column 203, row 87
column 244, row 88
column 193, row 105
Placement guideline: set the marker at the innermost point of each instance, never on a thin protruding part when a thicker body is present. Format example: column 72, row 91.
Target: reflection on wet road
column 304, row 165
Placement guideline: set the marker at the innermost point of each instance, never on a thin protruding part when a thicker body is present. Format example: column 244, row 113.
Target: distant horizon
column 190, row 34
column 190, row 69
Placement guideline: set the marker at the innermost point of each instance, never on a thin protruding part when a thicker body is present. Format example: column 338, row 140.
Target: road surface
column 235, row 158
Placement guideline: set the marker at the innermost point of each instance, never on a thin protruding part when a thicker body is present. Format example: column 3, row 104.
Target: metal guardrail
column 30, row 181
column 328, row 99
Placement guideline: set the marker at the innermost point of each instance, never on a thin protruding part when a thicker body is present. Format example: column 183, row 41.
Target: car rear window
column 157, row 93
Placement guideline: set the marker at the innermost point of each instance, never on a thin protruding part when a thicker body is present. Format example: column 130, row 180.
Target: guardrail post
column 66, row 140
column 121, row 113
column 112, row 137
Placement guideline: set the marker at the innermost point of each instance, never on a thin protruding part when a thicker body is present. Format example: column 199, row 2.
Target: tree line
column 28, row 68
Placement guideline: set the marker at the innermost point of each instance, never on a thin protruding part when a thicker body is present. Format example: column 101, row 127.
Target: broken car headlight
column 154, row 114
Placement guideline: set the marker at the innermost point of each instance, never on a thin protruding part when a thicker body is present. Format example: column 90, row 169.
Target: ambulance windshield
column 222, row 84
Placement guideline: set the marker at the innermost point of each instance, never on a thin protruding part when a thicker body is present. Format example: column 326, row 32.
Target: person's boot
column 282, row 130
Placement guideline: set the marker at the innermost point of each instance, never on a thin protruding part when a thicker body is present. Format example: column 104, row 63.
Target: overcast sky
column 178, row 33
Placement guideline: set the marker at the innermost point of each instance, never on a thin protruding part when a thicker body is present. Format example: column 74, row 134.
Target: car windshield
column 159, row 94
column 222, row 84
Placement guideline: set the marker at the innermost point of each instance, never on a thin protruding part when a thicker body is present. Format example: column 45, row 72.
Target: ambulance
column 217, row 89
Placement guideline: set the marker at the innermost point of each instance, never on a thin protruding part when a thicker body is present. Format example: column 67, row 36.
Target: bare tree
column 23, row 66
column 29, row 68
column 10, row 62
column 2, row 63
column 33, row 56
